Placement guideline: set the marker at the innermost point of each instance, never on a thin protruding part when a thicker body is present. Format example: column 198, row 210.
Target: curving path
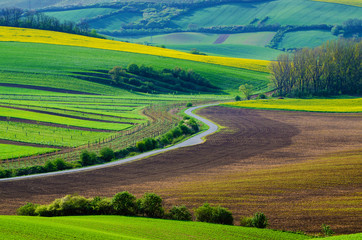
column 197, row 139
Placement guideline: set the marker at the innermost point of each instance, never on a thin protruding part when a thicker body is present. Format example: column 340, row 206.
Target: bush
column 237, row 98
column 218, row 214
column 124, row 203
column 176, row 132
column 71, row 205
column 60, row 164
column 246, row 221
column 180, row 213
column 189, row 104
column 222, row 215
column 107, row 154
column 259, row 220
column 27, row 210
column 88, row 158
column 102, row 206
column 204, row 213
column 4, row 173
column 151, row 205
column 43, row 211
column 49, row 166
column 326, row 230
column 262, row 96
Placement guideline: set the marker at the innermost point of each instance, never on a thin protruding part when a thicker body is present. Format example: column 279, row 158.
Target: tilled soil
column 249, row 140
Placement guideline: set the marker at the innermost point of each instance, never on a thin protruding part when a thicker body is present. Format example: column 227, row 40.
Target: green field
column 301, row 12
column 118, row 227
column 115, row 22
column 77, row 15
column 304, row 39
column 11, row 151
column 310, row 105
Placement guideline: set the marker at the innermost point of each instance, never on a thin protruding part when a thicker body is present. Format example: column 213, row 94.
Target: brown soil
column 251, row 140
column 222, row 38
column 49, row 89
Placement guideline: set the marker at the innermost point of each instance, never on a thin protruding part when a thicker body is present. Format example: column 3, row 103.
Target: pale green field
column 303, row 39
column 10, row 151
column 310, row 105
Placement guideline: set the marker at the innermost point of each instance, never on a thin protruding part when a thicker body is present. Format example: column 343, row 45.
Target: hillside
column 116, row 227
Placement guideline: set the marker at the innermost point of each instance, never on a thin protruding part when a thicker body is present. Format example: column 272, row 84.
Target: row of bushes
column 185, row 128
column 126, row 204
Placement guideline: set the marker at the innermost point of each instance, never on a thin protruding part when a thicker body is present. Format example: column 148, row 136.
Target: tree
column 247, row 90
column 124, row 203
column 151, row 205
column 259, row 220
column 180, row 213
column 107, row 154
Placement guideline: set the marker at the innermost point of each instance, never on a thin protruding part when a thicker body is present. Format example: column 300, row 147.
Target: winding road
column 197, row 139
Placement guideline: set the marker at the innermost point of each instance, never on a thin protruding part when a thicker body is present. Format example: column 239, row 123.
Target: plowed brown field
column 301, row 169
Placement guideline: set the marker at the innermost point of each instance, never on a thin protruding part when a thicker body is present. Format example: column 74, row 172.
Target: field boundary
column 197, row 139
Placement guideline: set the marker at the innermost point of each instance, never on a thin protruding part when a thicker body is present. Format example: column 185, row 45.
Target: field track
column 253, row 140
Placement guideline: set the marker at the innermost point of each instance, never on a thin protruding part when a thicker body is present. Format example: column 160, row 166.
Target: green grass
column 55, row 65
column 10, row 151
column 310, row 105
column 231, row 50
column 301, row 12
column 117, row 227
column 303, row 39
column 114, row 22
column 77, row 15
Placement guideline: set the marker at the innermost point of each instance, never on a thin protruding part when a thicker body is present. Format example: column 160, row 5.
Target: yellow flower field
column 310, row 105
column 357, row 3
column 40, row 36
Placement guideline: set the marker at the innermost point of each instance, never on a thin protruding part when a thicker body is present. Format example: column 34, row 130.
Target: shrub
column 141, row 146
column 204, row 213
column 185, row 129
column 4, row 173
column 151, row 205
column 88, row 158
column 246, row 221
column 189, row 104
column 49, row 166
column 27, row 210
column 60, row 164
column 262, row 96
column 237, row 98
column 71, row 205
column 176, row 132
column 124, row 203
column 43, row 211
column 107, row 154
column 180, row 213
column 218, row 214
column 222, row 215
column 326, row 230
column 102, row 206
column 259, row 220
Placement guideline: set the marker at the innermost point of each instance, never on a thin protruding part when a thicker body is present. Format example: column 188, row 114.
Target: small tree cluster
column 218, row 214
column 259, row 220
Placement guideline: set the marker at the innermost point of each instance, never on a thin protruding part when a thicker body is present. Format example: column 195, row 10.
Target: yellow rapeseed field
column 357, row 3
column 40, row 36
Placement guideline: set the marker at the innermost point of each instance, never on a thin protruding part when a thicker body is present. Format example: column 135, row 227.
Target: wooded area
column 333, row 68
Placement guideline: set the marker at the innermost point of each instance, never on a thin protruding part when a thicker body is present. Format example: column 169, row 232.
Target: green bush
column 124, row 203
column 176, row 132
column 222, row 215
column 218, row 214
column 326, row 230
column 60, row 164
column 260, row 220
column 71, row 205
column 180, row 213
column 49, row 166
column 262, row 96
column 237, row 98
column 88, row 158
column 151, row 205
column 189, row 104
column 107, row 154
column 102, row 206
column 5, row 173
column 43, row 211
column 246, row 221
column 27, row 210
column 204, row 213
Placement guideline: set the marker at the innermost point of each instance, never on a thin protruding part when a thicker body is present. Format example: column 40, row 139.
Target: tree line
column 16, row 17
column 331, row 69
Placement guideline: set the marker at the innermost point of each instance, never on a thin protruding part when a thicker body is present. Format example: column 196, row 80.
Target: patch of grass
column 50, row 37
column 10, row 151
column 118, row 227
column 309, row 105
column 357, row 3
column 77, row 15
column 284, row 12
column 304, row 39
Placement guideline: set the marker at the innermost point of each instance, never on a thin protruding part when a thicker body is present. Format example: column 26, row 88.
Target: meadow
column 49, row 37
column 284, row 12
column 349, row 105
column 345, row 2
